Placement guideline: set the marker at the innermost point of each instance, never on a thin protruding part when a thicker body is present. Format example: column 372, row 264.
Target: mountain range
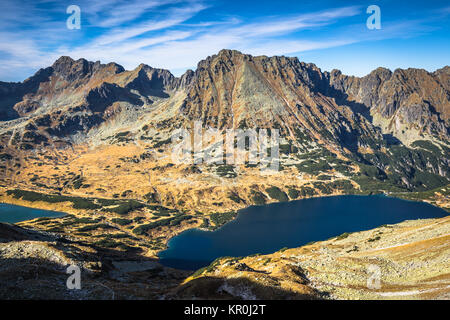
column 232, row 89
column 373, row 120
column 94, row 141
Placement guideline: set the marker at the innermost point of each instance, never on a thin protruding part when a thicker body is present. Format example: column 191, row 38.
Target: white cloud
column 183, row 49
column 169, row 38
column 176, row 16
column 129, row 11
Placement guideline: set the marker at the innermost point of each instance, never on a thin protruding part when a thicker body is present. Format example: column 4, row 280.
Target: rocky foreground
column 409, row 260
column 33, row 265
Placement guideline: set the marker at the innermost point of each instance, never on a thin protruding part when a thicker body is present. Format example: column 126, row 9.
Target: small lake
column 266, row 229
column 13, row 214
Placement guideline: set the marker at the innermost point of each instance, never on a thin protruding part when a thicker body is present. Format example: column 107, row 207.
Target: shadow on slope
column 240, row 288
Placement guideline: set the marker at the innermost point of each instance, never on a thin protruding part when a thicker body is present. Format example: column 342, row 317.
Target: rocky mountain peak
column 233, row 89
column 71, row 69
column 148, row 81
column 364, row 119
column 186, row 79
column 381, row 73
column 63, row 60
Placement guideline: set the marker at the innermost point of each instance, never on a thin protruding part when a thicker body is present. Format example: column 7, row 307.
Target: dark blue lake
column 12, row 214
column 266, row 229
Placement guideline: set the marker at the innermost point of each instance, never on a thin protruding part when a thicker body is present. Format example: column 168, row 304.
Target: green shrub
column 374, row 239
column 293, row 193
column 77, row 182
column 288, row 148
column 161, row 211
column 277, row 194
column 107, row 243
column 372, row 172
column 235, row 197
column 344, row 185
column 81, row 203
column 313, row 167
column 5, row 156
column 324, row 177
column 125, row 207
column 258, row 198
column 161, row 143
column 211, row 267
column 121, row 221
column 205, row 224
column 322, row 187
column 219, row 219
column 173, row 221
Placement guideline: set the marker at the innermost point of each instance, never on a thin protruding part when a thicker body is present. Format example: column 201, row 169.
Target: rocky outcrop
column 34, row 264
column 412, row 97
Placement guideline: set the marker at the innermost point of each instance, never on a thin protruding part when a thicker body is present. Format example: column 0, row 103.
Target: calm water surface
column 12, row 214
column 266, row 229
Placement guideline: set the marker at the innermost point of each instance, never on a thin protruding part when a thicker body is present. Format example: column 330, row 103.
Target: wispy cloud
column 182, row 49
column 129, row 11
column 172, row 34
column 283, row 25
column 174, row 17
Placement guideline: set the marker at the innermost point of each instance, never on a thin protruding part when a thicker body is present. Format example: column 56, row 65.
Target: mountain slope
column 385, row 132
column 405, row 100
column 94, row 140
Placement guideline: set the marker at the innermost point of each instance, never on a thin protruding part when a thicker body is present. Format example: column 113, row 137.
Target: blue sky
column 176, row 34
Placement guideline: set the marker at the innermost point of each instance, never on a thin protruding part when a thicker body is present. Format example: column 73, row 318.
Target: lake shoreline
column 65, row 207
column 33, row 212
column 363, row 213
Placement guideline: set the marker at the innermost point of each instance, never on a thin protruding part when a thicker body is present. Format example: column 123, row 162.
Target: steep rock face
column 19, row 93
column 185, row 79
column 63, row 84
column 148, row 81
column 9, row 95
column 404, row 99
column 332, row 126
column 443, row 75
column 71, row 97
column 236, row 90
column 232, row 90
